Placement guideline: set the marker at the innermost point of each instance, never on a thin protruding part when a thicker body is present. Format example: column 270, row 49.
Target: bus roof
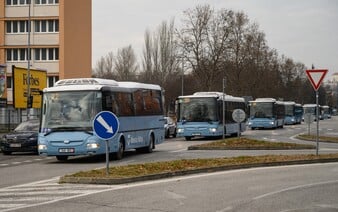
column 264, row 100
column 77, row 84
column 309, row 105
column 289, row 103
column 214, row 95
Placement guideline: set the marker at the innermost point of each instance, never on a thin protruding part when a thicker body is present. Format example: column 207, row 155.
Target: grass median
column 156, row 170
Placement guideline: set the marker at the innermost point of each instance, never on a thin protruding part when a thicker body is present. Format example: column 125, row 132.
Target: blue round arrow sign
column 106, row 125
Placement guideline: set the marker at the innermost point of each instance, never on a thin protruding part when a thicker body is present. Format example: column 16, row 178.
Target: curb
column 251, row 148
column 112, row 181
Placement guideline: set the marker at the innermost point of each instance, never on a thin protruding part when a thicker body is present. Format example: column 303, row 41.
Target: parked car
column 24, row 138
column 170, row 127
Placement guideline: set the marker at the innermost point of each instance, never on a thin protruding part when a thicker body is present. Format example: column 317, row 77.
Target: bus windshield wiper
column 87, row 130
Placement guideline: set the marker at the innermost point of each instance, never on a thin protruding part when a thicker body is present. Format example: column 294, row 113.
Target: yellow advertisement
column 38, row 81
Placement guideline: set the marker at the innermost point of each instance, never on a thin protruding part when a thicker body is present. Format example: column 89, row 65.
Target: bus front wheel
column 187, row 138
column 61, row 157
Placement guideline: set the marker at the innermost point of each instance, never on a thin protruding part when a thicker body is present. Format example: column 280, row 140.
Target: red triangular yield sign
column 316, row 77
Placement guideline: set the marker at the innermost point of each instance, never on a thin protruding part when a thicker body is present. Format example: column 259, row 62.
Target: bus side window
column 124, row 104
column 156, row 102
column 139, row 106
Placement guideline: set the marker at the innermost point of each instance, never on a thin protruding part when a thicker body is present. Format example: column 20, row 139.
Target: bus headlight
column 180, row 130
column 272, row 123
column 93, row 146
column 42, row 147
column 212, row 130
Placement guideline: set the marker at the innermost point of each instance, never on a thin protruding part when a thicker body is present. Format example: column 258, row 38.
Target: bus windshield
column 261, row 109
column 197, row 109
column 70, row 109
column 311, row 110
column 289, row 110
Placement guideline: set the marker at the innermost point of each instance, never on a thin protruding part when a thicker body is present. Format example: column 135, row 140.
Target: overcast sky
column 304, row 30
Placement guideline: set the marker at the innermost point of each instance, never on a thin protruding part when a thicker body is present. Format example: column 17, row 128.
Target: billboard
column 3, row 88
column 38, row 81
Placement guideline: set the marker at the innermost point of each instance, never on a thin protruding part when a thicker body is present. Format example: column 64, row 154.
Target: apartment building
column 57, row 33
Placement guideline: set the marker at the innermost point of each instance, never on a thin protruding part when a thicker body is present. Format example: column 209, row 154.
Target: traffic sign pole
column 317, row 117
column 105, row 126
column 316, row 77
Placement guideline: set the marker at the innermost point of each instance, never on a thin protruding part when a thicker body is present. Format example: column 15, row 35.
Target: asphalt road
column 27, row 180
column 287, row 188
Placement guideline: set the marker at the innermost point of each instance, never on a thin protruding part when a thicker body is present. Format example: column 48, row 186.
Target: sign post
column 238, row 115
column 106, row 125
column 316, row 77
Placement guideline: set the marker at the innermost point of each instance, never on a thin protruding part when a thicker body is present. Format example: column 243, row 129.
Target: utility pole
column 182, row 83
column 29, row 99
column 223, row 110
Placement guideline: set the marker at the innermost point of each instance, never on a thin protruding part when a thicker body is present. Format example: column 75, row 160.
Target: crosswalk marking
column 43, row 192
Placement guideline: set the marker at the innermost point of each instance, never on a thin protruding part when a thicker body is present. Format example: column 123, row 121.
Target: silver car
column 170, row 127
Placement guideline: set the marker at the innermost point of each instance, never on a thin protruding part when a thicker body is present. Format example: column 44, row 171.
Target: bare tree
column 204, row 40
column 105, row 67
column 147, row 65
column 126, row 64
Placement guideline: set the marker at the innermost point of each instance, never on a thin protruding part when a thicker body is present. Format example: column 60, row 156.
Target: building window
column 47, row 26
column 13, row 27
column 52, row 80
column 9, row 82
column 17, row 2
column 47, row 2
column 17, row 54
column 50, row 54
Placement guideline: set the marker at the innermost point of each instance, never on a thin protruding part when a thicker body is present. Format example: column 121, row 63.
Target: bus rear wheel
column 151, row 146
column 119, row 154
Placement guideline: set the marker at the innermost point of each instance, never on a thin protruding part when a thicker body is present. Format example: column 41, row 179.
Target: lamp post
column 223, row 109
column 182, row 83
column 29, row 100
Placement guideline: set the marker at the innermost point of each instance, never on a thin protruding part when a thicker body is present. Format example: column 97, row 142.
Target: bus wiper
column 70, row 129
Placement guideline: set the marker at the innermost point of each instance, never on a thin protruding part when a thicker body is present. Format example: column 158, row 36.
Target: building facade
column 51, row 35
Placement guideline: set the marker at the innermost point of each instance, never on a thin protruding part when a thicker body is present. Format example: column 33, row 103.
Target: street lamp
column 182, row 83
column 223, row 105
column 29, row 99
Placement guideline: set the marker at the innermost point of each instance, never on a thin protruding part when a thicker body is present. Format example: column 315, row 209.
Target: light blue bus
column 298, row 113
column 311, row 109
column 325, row 112
column 201, row 115
column 293, row 113
column 68, row 110
column 266, row 113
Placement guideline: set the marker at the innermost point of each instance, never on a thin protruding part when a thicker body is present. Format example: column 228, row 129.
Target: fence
column 11, row 117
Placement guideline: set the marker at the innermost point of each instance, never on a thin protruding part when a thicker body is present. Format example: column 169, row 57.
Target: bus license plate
column 66, row 150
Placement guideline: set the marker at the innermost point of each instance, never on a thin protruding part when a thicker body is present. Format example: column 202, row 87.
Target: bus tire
column 6, row 152
column 61, row 157
column 119, row 154
column 151, row 146
column 188, row 138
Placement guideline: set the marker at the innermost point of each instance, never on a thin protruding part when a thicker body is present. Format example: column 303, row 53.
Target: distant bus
column 325, row 112
column 68, row 110
column 201, row 114
column 266, row 113
column 298, row 113
column 311, row 109
column 293, row 113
